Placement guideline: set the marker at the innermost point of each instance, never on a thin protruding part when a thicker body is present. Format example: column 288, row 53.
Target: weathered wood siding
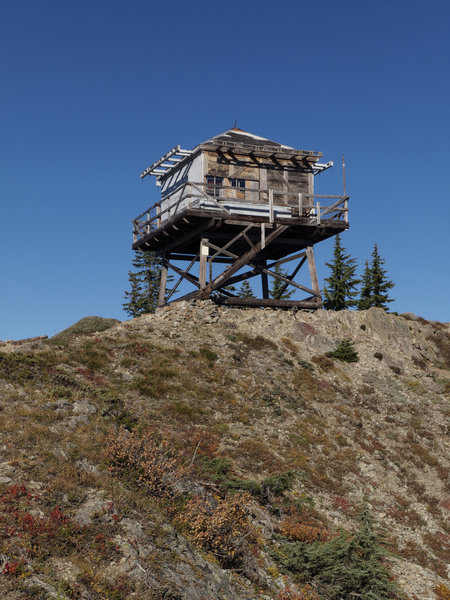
column 192, row 170
column 172, row 186
column 262, row 174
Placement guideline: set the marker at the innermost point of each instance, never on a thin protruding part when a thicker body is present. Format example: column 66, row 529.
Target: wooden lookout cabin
column 236, row 207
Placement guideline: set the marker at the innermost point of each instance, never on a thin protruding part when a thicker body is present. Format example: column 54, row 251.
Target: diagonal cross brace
column 288, row 281
column 182, row 276
column 257, row 269
column 291, row 277
column 192, row 278
column 245, row 259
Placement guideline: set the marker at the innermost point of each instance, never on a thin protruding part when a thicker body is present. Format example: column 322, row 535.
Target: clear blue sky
column 93, row 92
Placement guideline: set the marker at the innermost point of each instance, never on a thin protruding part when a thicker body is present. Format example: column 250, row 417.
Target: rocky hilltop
column 205, row 452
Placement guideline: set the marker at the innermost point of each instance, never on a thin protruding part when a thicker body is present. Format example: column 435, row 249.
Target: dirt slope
column 181, row 454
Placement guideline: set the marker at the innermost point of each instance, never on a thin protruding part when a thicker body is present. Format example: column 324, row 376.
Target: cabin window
column 238, row 188
column 238, row 184
column 213, row 185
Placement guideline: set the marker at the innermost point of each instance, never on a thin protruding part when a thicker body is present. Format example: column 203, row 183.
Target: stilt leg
column 204, row 252
column 264, row 283
column 162, row 284
column 313, row 271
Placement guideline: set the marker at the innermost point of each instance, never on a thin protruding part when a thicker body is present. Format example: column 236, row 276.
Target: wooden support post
column 318, row 213
column 158, row 215
column 162, row 283
column 300, row 205
column 312, row 270
column 263, row 236
column 264, row 283
column 262, row 183
column 271, row 206
column 204, row 252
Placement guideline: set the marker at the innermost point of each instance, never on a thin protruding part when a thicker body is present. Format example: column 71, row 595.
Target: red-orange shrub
column 148, row 459
column 306, row 593
column 220, row 526
column 295, row 528
column 442, row 592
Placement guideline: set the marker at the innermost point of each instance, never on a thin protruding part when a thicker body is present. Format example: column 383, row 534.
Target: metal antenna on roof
column 235, row 125
column 343, row 171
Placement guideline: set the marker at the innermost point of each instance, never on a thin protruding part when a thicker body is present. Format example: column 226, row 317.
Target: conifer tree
column 365, row 298
column 340, row 291
column 348, row 566
column 380, row 283
column 375, row 284
column 355, row 566
column 278, row 285
column 232, row 289
column 245, row 291
column 144, row 284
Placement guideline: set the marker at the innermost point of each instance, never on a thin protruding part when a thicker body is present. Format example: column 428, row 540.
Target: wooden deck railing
column 314, row 209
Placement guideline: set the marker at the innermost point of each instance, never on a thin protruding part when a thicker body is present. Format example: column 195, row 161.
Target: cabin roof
column 236, row 139
column 245, row 138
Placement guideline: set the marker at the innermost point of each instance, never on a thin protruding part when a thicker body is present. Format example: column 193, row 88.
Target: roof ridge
column 252, row 137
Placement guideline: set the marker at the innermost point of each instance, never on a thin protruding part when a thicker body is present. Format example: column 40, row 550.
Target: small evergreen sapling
column 277, row 290
column 340, row 291
column 245, row 291
column 345, row 352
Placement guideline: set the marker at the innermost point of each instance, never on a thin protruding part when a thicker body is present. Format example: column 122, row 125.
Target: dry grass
column 290, row 345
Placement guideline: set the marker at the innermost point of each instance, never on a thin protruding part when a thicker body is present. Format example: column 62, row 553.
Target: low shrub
column 308, row 387
column 255, row 343
column 442, row 342
column 294, row 527
column 306, row 365
column 30, row 529
column 322, row 361
column 442, row 592
column 92, row 355
column 305, row 593
column 378, row 355
column 21, row 367
column 419, row 362
column 264, row 490
column 290, row 345
column 207, row 353
column 215, row 468
column 220, row 526
column 147, row 460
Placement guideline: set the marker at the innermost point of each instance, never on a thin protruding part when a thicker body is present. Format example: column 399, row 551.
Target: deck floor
column 181, row 234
